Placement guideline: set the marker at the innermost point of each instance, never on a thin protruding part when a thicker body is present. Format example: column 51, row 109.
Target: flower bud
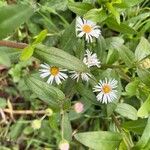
column 36, row 124
column 64, row 145
column 49, row 112
column 78, row 107
column 145, row 64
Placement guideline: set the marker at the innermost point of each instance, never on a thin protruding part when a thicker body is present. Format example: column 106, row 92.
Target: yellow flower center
column 54, row 71
column 86, row 28
column 106, row 88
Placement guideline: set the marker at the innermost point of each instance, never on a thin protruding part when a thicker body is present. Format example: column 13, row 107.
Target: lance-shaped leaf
column 69, row 39
column 59, row 58
column 28, row 51
column 48, row 93
column 12, row 16
column 79, row 8
column 126, row 55
column 99, row 140
column 144, row 75
column 127, row 111
column 66, row 127
column 144, row 110
column 114, row 11
column 142, row 50
column 122, row 27
column 96, row 15
column 145, row 139
column 136, row 126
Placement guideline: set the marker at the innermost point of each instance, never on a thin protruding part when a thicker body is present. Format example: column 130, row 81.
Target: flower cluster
column 106, row 88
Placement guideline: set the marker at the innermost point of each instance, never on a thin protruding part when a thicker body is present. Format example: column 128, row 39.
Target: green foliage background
column 48, row 27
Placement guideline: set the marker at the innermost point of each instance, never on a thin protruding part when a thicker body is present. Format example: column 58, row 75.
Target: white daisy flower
column 87, row 28
column 53, row 72
column 91, row 59
column 107, row 90
column 76, row 75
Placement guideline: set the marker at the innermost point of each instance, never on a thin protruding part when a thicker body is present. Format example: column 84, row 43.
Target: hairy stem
column 13, row 44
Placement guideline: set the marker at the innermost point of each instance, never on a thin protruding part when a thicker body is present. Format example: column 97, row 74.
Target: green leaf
column 15, row 72
column 114, row 42
column 66, row 127
column 131, row 87
column 142, row 143
column 86, row 93
column 112, row 56
column 66, row 43
column 4, row 59
column 101, row 48
column 127, row 111
column 3, row 103
column 126, row 55
column 123, row 28
column 59, row 58
column 12, row 16
column 40, row 37
column 131, row 3
column 16, row 129
column 144, row 75
column 111, row 108
column 144, row 110
column 13, row 54
column 136, row 126
column 113, row 10
column 96, row 15
column 99, row 140
column 53, row 122
column 79, row 8
column 27, row 53
column 48, row 93
column 56, row 5
column 116, row 1
column 142, row 50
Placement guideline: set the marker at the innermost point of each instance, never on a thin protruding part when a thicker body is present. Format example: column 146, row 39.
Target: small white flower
column 91, row 59
column 53, row 72
column 87, row 28
column 76, row 75
column 107, row 90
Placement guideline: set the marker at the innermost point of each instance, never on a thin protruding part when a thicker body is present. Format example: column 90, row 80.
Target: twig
column 13, row 44
column 24, row 112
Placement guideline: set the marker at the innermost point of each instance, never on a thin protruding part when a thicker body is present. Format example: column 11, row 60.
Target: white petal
column 50, row 80
column 44, row 70
column 57, row 79
column 46, row 66
column 43, row 75
column 79, row 21
column 62, row 76
column 104, row 99
column 80, row 34
column 91, row 23
column 87, row 37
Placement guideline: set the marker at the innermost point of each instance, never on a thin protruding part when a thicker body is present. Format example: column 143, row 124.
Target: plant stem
column 24, row 112
column 13, row 44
